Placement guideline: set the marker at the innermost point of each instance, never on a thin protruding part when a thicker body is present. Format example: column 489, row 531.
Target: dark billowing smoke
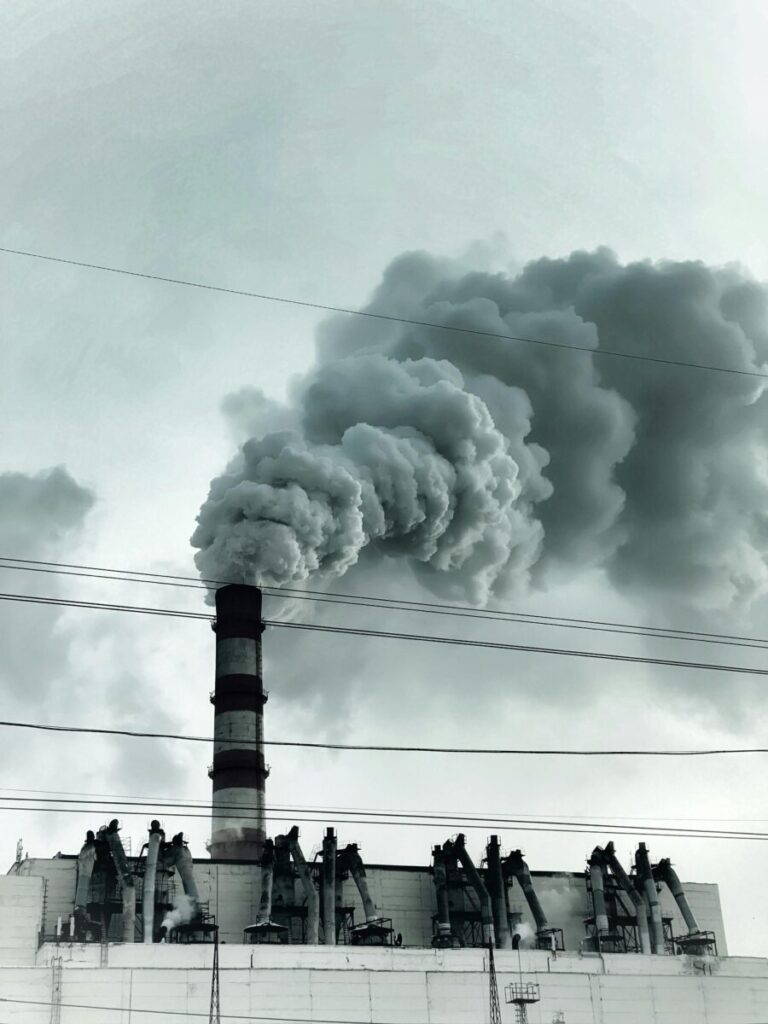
column 485, row 462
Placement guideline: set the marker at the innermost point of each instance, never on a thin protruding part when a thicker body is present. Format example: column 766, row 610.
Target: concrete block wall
column 21, row 911
column 397, row 986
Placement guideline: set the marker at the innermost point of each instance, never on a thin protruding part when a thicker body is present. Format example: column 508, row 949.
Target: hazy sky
column 297, row 149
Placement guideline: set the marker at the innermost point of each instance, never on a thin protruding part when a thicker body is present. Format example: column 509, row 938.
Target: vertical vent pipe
column 267, row 882
column 497, row 885
column 441, row 894
column 329, row 887
column 597, row 879
column 150, row 881
column 644, row 873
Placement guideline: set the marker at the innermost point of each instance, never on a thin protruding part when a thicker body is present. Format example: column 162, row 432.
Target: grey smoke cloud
column 486, row 463
column 41, row 515
column 38, row 512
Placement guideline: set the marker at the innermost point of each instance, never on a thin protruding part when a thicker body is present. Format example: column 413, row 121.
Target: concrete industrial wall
column 397, row 986
column 406, row 894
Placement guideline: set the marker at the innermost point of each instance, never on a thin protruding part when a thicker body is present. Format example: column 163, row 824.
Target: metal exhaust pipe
column 596, row 875
column 668, row 875
column 127, row 885
column 350, row 860
column 177, row 855
column 310, row 891
column 497, row 888
column 640, row 908
column 645, row 875
column 486, row 909
column 329, row 887
column 267, row 882
column 85, row 862
column 156, row 834
column 521, row 872
column 441, row 893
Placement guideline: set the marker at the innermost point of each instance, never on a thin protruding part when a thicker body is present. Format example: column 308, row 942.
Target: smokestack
column 238, row 772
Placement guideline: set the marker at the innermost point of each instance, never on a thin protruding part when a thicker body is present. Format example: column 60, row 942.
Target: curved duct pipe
column 643, row 865
column 310, row 891
column 350, row 860
column 267, row 881
column 127, row 884
column 597, row 878
column 486, row 908
column 517, row 866
column 640, row 908
column 441, row 892
column 85, row 862
column 179, row 856
column 668, row 875
column 150, row 877
column 329, row 887
column 496, row 887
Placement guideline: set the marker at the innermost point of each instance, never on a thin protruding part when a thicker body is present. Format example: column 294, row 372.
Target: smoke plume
column 184, row 909
column 485, row 463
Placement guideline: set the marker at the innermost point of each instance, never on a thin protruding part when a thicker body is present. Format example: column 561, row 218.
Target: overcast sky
column 298, row 149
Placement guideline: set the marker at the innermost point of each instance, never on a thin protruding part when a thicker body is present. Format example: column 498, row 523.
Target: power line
column 396, row 604
column 379, row 747
column 392, row 635
column 381, row 817
column 387, row 317
column 446, row 822
column 159, row 801
column 179, row 1013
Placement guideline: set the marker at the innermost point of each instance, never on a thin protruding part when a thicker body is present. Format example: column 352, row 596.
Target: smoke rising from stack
column 184, row 909
column 486, row 464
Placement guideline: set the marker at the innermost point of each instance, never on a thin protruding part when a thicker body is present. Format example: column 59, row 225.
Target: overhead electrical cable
column 454, row 823
column 373, row 817
column 179, row 1013
column 395, row 604
column 394, row 635
column 371, row 747
column 388, row 317
column 73, row 795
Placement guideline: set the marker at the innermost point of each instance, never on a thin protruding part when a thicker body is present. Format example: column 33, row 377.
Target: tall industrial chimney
column 238, row 772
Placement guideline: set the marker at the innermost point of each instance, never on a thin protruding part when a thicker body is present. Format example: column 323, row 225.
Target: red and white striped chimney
column 238, row 771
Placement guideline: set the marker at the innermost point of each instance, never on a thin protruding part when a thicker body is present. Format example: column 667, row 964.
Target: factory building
column 299, row 927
